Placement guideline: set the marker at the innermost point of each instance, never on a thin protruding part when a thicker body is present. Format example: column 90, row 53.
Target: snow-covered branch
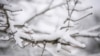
column 25, row 34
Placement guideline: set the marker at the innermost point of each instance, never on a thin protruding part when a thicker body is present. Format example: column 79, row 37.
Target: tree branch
column 88, row 35
column 43, row 48
column 52, row 41
column 83, row 9
column 82, row 17
column 70, row 13
column 46, row 10
column 7, row 17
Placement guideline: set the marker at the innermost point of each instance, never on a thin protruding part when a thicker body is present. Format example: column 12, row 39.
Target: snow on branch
column 58, row 37
column 7, row 21
column 62, row 36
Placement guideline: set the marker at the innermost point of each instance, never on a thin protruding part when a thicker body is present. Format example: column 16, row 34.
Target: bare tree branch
column 92, row 29
column 56, row 37
column 82, row 17
column 67, row 2
column 46, row 10
column 83, row 9
column 68, row 9
column 88, row 35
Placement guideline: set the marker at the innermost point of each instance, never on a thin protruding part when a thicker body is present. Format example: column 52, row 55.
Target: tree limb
column 52, row 41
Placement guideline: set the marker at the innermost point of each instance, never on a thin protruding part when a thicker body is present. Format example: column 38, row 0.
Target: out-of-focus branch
column 88, row 35
column 46, row 10
column 1, row 6
column 83, row 9
column 5, row 8
column 67, row 2
column 4, row 2
column 93, row 28
column 43, row 48
column 7, row 17
column 55, row 37
column 63, row 27
column 7, row 21
column 79, row 10
column 3, row 26
column 50, row 4
column 5, row 5
column 11, row 9
column 82, row 17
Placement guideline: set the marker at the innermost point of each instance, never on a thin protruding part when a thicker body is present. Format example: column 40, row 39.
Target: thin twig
column 46, row 10
column 67, row 2
column 63, row 27
column 82, row 17
column 50, row 4
column 70, row 13
column 68, row 9
column 76, row 2
column 43, row 48
column 91, row 35
column 83, row 9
